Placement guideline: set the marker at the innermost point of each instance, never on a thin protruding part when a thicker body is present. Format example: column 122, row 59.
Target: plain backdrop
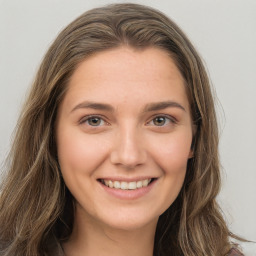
column 223, row 31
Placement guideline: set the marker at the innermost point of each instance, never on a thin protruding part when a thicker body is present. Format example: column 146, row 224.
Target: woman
column 116, row 150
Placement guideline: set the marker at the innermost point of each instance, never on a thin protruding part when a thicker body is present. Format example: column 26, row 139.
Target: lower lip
column 130, row 194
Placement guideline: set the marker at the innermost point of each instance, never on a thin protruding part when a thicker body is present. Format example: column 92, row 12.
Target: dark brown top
column 233, row 252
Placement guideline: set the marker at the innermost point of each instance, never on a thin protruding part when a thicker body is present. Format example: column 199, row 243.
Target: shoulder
column 235, row 252
column 248, row 248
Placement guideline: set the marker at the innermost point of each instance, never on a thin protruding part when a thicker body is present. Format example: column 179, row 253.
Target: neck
column 93, row 238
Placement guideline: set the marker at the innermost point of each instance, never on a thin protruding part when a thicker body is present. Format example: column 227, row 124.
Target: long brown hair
column 36, row 208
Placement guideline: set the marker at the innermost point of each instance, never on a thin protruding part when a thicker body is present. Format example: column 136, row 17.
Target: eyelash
column 90, row 117
column 166, row 117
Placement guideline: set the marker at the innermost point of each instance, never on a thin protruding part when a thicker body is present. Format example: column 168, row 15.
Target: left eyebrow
column 162, row 105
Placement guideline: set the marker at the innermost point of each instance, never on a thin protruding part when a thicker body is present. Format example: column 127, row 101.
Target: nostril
column 128, row 153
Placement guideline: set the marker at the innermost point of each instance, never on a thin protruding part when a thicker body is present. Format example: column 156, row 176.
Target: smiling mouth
column 127, row 185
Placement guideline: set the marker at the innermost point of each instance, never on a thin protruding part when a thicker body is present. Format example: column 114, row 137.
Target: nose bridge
column 128, row 149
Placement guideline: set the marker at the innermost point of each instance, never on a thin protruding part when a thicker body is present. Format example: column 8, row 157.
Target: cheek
column 172, row 152
column 171, row 155
column 78, row 153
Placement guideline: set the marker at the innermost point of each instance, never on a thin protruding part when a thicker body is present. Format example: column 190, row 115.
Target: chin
column 129, row 219
column 131, row 224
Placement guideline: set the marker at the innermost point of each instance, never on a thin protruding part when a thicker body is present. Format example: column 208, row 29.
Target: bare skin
column 125, row 120
column 104, row 241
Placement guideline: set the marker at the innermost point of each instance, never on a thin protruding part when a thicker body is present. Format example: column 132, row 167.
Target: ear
column 191, row 154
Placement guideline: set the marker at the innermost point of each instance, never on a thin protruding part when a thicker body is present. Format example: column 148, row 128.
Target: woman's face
column 124, row 134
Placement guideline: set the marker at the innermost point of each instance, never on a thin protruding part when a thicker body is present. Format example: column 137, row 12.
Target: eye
column 93, row 121
column 161, row 121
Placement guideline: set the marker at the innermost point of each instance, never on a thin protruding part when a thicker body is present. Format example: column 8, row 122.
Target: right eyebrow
column 94, row 105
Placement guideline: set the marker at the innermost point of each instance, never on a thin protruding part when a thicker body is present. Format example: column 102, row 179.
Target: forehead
column 127, row 60
column 124, row 74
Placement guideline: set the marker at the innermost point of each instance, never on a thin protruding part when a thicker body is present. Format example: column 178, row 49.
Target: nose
column 128, row 149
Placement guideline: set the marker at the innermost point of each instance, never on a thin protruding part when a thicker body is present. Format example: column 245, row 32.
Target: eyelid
column 171, row 118
column 87, row 117
column 103, row 118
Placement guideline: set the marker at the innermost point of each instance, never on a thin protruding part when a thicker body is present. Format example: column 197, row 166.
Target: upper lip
column 127, row 179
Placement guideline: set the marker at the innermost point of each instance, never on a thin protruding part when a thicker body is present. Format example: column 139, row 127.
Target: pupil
column 159, row 121
column 94, row 121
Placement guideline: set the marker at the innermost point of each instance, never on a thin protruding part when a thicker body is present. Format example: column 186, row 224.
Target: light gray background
column 224, row 32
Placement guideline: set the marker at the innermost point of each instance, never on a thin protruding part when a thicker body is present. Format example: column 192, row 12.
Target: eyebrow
column 94, row 105
column 148, row 108
column 162, row 105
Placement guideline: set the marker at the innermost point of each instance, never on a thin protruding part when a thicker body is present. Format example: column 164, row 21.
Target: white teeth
column 110, row 184
column 132, row 185
column 139, row 184
column 117, row 184
column 126, row 185
column 145, row 183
